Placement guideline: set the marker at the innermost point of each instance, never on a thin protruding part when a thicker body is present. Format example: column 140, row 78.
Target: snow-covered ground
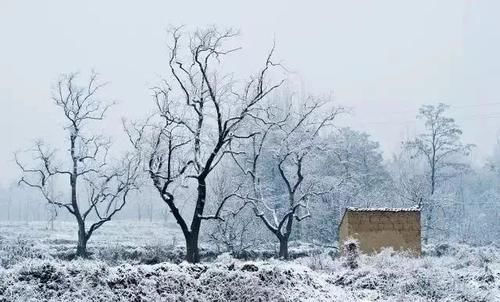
column 116, row 242
column 34, row 269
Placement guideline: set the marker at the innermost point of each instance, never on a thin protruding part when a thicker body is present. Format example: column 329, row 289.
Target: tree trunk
column 81, row 248
column 283, row 248
column 192, row 250
column 286, row 236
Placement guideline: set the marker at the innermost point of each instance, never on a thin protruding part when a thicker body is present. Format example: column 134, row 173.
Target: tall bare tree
column 441, row 146
column 286, row 146
column 97, row 190
column 199, row 112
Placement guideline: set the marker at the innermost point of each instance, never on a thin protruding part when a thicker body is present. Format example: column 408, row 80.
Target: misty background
column 382, row 59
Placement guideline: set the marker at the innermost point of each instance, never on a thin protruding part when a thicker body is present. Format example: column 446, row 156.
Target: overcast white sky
column 383, row 58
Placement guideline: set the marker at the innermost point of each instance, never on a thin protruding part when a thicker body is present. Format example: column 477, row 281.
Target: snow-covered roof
column 355, row 209
column 390, row 210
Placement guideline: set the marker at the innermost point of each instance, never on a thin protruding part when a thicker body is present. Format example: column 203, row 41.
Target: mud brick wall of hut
column 376, row 230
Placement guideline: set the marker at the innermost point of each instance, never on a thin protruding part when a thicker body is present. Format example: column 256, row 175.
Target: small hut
column 380, row 228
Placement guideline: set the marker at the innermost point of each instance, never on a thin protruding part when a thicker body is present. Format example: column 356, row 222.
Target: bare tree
column 9, row 202
column 239, row 230
column 200, row 111
column 91, row 176
column 236, row 233
column 52, row 215
column 439, row 145
column 287, row 143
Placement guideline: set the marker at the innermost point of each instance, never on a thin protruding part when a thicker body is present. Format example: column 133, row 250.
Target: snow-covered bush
column 40, row 280
column 140, row 266
column 351, row 253
column 12, row 252
column 388, row 276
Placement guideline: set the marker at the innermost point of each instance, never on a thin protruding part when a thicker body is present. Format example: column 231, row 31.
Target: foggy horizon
column 384, row 60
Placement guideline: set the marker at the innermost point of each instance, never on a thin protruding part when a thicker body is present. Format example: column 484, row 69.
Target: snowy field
column 118, row 241
column 137, row 262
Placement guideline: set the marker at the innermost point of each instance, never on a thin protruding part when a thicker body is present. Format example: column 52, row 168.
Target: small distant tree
column 52, row 215
column 238, row 231
column 9, row 203
column 98, row 190
column 278, row 162
column 441, row 147
column 409, row 181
